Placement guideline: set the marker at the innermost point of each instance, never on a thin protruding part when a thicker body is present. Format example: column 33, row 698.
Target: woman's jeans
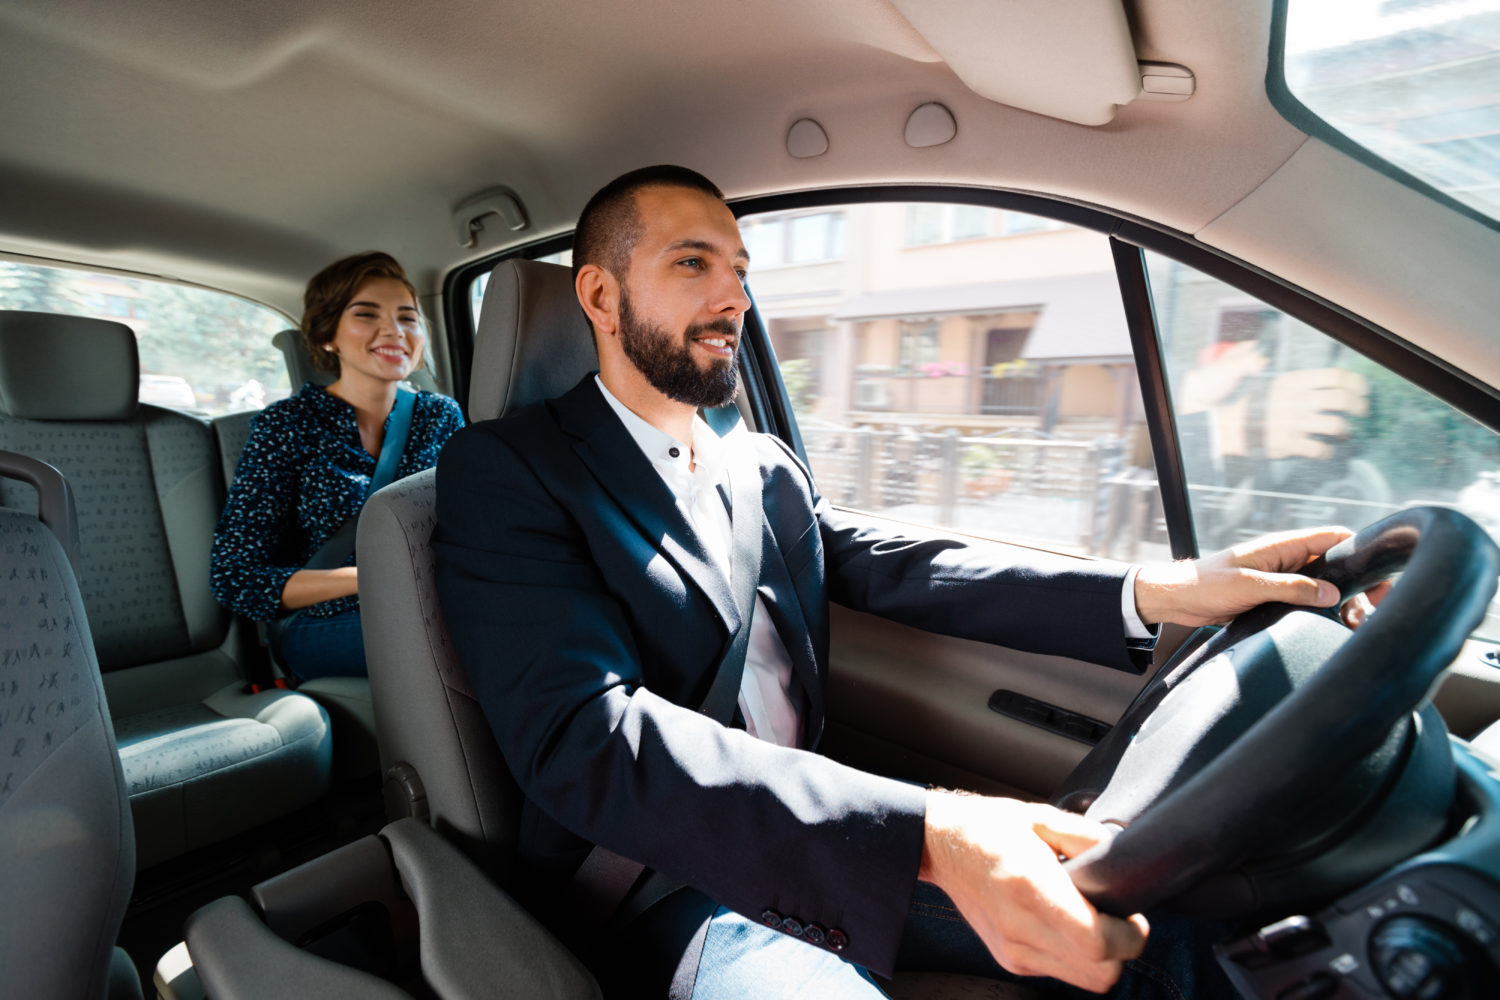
column 324, row 647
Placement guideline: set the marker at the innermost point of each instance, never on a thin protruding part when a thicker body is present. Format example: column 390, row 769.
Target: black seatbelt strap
column 602, row 886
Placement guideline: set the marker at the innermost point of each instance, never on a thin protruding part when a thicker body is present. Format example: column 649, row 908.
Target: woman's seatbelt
column 334, row 552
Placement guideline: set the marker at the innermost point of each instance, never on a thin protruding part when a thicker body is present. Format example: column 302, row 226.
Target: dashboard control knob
column 1418, row 958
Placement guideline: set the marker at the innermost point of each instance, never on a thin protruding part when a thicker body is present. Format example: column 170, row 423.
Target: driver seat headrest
column 532, row 343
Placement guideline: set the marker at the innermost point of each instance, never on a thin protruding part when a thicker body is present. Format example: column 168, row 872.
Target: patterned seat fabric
column 67, row 854
column 148, row 488
column 533, row 343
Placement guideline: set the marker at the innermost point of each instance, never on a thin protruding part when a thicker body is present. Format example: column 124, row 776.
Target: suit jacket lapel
column 615, row 460
column 775, row 585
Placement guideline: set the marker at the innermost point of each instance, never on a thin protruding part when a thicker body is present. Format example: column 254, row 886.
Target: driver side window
column 964, row 368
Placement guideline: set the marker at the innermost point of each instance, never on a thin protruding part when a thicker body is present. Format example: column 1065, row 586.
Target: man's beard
column 670, row 367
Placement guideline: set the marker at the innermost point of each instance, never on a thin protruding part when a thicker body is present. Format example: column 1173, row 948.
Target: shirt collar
column 707, row 451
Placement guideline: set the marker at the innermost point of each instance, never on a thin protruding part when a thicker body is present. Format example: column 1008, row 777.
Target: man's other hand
column 1214, row 589
column 997, row 859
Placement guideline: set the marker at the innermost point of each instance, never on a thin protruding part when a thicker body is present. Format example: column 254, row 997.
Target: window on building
column 972, row 221
column 200, row 350
column 925, row 224
column 918, row 345
column 800, row 238
column 765, row 241
column 928, row 224
column 812, row 238
column 1020, row 223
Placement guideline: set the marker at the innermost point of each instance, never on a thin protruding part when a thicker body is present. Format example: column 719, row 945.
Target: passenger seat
column 202, row 759
column 67, row 857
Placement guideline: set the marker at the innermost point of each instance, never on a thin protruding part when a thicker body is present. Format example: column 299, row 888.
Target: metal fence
column 1071, row 495
column 1029, row 487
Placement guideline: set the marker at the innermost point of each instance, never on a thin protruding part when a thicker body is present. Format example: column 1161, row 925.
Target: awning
column 1081, row 316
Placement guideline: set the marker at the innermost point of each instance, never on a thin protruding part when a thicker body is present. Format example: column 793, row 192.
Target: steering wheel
column 1285, row 739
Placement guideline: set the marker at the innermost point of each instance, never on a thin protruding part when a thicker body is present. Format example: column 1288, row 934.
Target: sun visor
column 1070, row 59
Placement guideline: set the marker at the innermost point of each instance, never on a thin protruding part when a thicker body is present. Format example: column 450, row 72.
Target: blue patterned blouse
column 302, row 473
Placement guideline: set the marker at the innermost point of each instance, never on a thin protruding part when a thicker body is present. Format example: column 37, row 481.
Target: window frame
column 772, row 409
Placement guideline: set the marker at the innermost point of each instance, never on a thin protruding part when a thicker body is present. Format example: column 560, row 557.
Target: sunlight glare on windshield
column 1415, row 82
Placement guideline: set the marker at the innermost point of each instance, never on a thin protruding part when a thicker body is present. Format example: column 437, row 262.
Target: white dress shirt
column 768, row 700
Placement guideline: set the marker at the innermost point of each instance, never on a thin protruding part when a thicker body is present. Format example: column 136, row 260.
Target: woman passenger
column 309, row 461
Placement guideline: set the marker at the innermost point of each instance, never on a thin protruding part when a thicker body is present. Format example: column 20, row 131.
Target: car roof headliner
column 242, row 146
column 268, row 138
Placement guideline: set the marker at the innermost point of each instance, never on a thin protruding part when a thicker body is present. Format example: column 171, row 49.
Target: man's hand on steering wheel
column 997, row 859
column 1218, row 587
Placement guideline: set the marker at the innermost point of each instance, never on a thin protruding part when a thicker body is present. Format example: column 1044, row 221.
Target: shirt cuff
column 1134, row 627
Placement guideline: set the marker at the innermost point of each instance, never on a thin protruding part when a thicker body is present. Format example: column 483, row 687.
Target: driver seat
column 439, row 759
column 438, row 754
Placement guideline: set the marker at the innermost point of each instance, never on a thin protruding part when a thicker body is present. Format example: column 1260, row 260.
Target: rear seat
column 346, row 699
column 202, row 759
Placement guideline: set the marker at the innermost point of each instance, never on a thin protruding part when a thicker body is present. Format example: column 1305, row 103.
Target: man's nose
column 734, row 300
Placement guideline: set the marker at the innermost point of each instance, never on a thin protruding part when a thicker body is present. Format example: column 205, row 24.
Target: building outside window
column 918, row 345
column 773, row 241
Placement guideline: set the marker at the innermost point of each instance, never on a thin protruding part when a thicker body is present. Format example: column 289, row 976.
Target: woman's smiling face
column 380, row 334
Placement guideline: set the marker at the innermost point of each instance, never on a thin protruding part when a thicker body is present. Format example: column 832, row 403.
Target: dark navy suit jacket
column 590, row 621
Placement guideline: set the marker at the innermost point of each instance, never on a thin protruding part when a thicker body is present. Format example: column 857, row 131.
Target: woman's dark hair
column 329, row 292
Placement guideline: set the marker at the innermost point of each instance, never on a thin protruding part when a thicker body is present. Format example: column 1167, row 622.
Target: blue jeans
column 742, row 958
column 324, row 647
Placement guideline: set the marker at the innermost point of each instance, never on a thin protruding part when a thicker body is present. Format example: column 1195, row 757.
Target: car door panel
column 915, row 705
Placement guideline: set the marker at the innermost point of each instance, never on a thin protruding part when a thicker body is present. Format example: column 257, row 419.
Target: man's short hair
column 610, row 226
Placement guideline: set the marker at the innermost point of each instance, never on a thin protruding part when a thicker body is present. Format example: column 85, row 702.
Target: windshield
column 1416, row 83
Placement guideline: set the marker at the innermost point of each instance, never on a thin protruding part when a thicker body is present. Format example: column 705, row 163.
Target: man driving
column 641, row 604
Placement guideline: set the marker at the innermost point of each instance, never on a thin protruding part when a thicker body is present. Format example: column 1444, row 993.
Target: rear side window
column 482, row 281
column 200, row 351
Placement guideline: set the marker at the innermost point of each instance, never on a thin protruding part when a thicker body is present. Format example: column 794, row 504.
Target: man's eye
column 692, row 262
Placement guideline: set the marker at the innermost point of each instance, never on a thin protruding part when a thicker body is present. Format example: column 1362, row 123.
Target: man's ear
column 599, row 293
